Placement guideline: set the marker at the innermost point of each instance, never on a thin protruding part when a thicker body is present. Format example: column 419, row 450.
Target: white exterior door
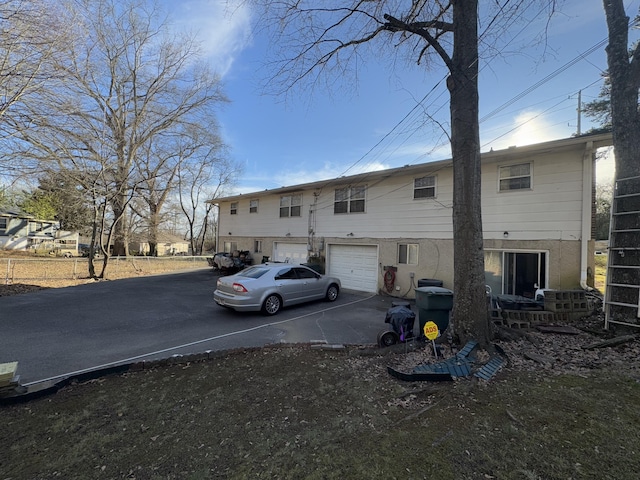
column 290, row 252
column 355, row 265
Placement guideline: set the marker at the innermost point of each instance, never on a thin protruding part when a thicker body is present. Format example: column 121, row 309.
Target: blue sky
column 375, row 124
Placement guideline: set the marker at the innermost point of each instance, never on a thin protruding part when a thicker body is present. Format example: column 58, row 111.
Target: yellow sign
column 431, row 330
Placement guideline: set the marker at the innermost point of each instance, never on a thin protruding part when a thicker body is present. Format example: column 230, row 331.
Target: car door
column 288, row 285
column 310, row 285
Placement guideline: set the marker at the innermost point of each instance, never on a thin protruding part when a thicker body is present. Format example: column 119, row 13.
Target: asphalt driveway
column 57, row 333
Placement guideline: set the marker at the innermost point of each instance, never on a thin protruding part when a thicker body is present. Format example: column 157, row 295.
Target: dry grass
column 21, row 272
column 295, row 412
column 600, row 279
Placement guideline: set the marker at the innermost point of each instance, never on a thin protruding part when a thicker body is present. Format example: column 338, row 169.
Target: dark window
column 234, row 208
column 286, row 274
column 305, row 273
column 349, row 200
column 291, row 205
column 515, row 177
column 424, row 187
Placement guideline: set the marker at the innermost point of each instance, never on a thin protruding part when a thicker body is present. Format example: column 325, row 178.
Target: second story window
column 253, row 206
column 234, row 208
column 515, row 177
column 291, row 205
column 424, row 187
column 349, row 199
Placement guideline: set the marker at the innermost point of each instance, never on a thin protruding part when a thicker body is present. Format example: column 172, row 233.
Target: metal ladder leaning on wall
column 622, row 295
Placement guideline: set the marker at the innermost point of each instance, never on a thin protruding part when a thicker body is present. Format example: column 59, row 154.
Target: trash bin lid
column 435, row 291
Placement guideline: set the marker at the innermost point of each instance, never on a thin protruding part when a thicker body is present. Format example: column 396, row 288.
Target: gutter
column 587, row 200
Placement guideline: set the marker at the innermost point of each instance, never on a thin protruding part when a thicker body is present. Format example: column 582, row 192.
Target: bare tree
column 157, row 167
column 329, row 39
column 127, row 83
column 189, row 155
column 202, row 175
column 32, row 34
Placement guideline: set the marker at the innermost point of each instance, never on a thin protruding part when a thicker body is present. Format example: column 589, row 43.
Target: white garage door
column 289, row 252
column 355, row 265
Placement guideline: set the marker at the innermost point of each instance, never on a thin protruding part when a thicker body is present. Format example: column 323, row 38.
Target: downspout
column 217, row 205
column 587, row 201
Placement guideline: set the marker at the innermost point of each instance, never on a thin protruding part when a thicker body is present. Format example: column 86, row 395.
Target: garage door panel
column 290, row 252
column 355, row 265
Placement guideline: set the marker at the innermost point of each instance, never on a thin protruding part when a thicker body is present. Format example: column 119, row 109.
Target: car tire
column 332, row 293
column 272, row 305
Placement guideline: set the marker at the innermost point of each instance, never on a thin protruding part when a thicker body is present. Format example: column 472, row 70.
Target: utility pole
column 579, row 111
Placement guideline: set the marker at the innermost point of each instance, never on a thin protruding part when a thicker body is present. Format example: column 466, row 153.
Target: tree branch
column 420, row 29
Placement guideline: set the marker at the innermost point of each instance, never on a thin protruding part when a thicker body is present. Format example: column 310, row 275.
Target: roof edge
column 598, row 140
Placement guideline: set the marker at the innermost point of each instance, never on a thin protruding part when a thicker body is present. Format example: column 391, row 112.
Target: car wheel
column 332, row 293
column 272, row 305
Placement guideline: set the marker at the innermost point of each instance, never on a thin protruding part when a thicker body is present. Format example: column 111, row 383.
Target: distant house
column 20, row 231
column 387, row 230
column 168, row 244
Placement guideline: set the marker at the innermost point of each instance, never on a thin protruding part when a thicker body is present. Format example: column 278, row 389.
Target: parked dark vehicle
column 228, row 263
column 268, row 287
column 84, row 248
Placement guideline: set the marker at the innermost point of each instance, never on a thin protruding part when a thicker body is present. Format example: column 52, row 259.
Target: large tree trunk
column 624, row 79
column 470, row 309
column 624, row 76
column 154, row 222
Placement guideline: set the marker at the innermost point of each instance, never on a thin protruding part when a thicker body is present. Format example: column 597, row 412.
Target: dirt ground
column 559, row 409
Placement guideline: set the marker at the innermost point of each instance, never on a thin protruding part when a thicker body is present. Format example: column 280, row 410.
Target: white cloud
column 287, row 178
column 222, row 26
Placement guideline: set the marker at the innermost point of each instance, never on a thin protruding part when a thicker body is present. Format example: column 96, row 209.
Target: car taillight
column 238, row 287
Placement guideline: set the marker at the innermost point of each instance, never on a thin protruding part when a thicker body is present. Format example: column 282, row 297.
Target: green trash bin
column 434, row 305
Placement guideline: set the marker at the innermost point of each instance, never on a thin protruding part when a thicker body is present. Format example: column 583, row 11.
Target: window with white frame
column 424, row 187
column 291, row 205
column 408, row 253
column 257, row 246
column 230, row 247
column 515, row 177
column 349, row 199
column 234, row 208
column 35, row 227
column 253, row 206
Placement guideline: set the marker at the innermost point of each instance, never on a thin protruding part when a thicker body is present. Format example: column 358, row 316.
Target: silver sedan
column 270, row 286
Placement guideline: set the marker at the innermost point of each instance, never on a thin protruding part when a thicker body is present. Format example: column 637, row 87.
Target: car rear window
column 253, row 272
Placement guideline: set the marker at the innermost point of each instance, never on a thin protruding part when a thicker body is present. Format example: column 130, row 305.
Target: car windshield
column 253, row 272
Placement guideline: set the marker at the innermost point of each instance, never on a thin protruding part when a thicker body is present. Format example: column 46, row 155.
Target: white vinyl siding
column 551, row 211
